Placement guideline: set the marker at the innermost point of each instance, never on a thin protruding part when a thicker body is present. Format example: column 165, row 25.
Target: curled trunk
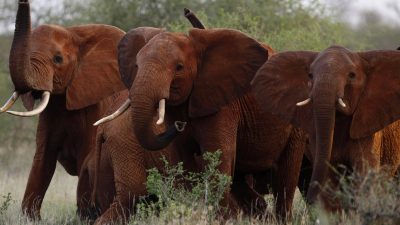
column 144, row 107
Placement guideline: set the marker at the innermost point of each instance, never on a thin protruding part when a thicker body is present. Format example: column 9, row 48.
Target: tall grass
column 371, row 198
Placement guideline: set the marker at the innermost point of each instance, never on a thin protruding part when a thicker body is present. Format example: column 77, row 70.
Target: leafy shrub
column 181, row 193
column 5, row 204
column 369, row 198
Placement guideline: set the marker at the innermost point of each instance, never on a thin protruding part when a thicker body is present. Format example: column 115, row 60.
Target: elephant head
column 203, row 71
column 363, row 86
column 79, row 62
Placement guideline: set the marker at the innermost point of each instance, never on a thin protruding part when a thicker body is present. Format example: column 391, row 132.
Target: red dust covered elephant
column 72, row 70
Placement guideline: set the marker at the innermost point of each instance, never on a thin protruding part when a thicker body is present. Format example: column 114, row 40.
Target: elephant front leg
column 287, row 173
column 85, row 209
column 250, row 201
column 219, row 132
column 128, row 162
column 43, row 167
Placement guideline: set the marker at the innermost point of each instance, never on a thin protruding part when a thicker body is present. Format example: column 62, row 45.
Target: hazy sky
column 389, row 9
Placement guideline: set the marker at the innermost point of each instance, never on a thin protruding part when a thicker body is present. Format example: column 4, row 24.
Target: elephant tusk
column 305, row 102
column 42, row 106
column 161, row 112
column 117, row 113
column 10, row 102
column 341, row 102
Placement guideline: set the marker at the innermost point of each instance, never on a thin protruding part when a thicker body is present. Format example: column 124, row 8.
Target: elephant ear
column 97, row 74
column 228, row 61
column 281, row 83
column 128, row 48
column 379, row 104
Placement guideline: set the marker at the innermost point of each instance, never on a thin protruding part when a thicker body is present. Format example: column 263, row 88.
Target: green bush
column 374, row 197
column 181, row 193
column 5, row 203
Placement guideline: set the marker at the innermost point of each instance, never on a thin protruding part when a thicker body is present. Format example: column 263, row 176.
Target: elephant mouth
column 44, row 97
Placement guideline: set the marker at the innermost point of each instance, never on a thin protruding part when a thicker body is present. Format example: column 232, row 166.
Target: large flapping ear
column 96, row 76
column 128, row 47
column 228, row 60
column 281, row 83
column 379, row 104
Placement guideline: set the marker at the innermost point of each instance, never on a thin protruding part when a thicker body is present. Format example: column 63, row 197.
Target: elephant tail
column 99, row 141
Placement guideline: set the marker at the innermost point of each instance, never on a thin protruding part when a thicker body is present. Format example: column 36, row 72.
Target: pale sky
column 389, row 9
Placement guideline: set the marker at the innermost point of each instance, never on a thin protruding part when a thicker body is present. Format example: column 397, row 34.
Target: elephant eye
column 57, row 59
column 179, row 67
column 352, row 75
column 310, row 75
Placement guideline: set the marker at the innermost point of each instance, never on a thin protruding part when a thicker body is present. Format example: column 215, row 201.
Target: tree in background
column 284, row 24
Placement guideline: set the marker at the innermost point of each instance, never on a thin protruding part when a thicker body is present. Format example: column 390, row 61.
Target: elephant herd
column 290, row 114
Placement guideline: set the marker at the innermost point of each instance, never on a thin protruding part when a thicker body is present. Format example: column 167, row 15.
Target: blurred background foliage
column 283, row 24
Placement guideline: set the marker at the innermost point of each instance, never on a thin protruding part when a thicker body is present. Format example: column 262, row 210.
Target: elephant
column 201, row 79
column 74, row 71
column 350, row 111
column 117, row 170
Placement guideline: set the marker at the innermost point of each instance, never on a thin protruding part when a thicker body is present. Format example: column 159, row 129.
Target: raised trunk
column 324, row 120
column 23, row 75
column 144, row 107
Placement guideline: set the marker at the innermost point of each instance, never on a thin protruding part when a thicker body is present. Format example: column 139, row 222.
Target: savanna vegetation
column 283, row 24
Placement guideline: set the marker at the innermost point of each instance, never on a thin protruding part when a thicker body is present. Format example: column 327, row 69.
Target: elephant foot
column 32, row 214
column 249, row 200
column 116, row 214
column 88, row 214
column 32, row 211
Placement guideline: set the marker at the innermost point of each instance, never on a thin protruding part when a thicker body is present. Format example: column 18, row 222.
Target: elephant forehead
column 334, row 61
column 50, row 35
column 166, row 46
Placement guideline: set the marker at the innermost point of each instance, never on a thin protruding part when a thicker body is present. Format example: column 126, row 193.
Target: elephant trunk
column 24, row 74
column 144, row 108
column 324, row 98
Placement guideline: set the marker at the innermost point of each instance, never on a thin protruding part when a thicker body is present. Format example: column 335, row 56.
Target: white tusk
column 341, row 102
column 42, row 105
column 10, row 102
column 305, row 102
column 117, row 113
column 161, row 112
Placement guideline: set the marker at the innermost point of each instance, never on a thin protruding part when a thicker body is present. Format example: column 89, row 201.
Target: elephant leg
column 129, row 178
column 85, row 210
column 305, row 176
column 287, row 173
column 219, row 132
column 390, row 158
column 366, row 153
column 41, row 173
column 249, row 200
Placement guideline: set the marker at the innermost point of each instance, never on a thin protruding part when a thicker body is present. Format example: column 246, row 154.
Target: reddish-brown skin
column 121, row 171
column 123, row 163
column 369, row 84
column 207, row 78
column 78, row 66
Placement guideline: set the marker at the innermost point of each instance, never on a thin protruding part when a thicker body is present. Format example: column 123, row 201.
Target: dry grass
column 376, row 202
